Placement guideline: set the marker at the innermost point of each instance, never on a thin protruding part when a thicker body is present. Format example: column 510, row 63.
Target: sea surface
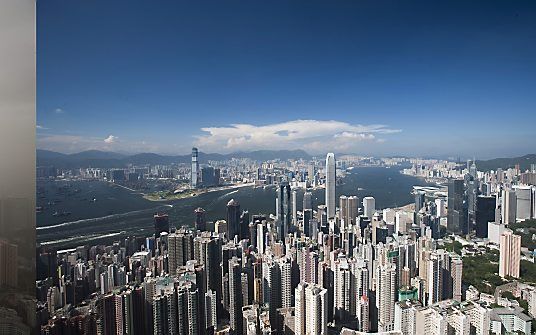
column 91, row 212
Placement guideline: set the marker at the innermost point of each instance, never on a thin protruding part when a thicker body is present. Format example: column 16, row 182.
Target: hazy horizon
column 317, row 155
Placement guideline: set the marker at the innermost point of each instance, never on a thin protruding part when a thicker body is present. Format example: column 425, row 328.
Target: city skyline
column 353, row 76
column 427, row 265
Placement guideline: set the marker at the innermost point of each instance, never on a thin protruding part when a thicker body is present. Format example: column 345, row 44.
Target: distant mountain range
column 106, row 159
column 505, row 163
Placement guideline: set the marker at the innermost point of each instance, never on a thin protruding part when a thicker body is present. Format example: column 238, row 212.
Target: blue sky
column 368, row 77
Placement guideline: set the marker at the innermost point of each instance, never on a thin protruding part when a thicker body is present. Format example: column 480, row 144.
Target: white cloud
column 312, row 135
column 359, row 136
column 59, row 111
column 40, row 127
column 110, row 139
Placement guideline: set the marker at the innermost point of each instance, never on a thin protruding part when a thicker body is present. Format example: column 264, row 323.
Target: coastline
column 191, row 193
column 439, row 181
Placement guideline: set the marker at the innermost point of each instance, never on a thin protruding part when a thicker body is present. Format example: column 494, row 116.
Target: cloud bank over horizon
column 313, row 136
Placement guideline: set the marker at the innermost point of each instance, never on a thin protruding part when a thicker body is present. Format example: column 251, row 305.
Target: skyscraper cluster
column 303, row 269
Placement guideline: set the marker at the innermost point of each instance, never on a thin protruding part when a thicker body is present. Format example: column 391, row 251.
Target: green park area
column 170, row 195
column 482, row 271
column 525, row 229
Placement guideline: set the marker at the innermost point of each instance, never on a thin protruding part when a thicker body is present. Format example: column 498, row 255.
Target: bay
column 118, row 212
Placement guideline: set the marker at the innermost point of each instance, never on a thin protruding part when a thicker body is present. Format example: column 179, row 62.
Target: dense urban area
column 459, row 260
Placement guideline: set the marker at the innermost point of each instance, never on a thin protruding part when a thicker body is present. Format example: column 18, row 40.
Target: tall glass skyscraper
column 456, row 216
column 195, row 169
column 330, row 185
column 283, row 209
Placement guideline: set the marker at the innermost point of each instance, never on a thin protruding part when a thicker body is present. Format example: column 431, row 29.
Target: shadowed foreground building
column 161, row 223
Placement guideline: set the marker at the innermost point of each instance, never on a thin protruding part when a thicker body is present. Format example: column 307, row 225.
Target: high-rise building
column 210, row 176
column 456, row 215
column 235, row 296
column 471, row 198
column 440, row 207
column 194, row 178
column 419, row 200
column 348, row 209
column 131, row 302
column 510, row 254
column 284, row 214
column 330, row 185
column 321, row 215
column 311, row 310
column 343, row 211
column 180, row 249
column 359, row 291
column 208, row 251
column 244, row 225
column 308, row 266
column 485, row 212
column 456, row 270
column 261, row 233
column 311, row 172
column 106, row 311
column 211, row 319
column 508, row 207
column 294, row 208
column 405, row 316
column 458, row 322
column 285, row 274
column 352, row 209
column 316, row 307
column 534, row 202
column 435, row 277
column 342, row 289
column 363, row 314
column 523, row 202
column 161, row 223
column 479, row 318
column 300, row 308
column 175, row 310
column 369, row 207
column 430, row 321
column 386, row 291
column 473, row 170
column 233, row 218
column 307, row 217
column 271, row 287
column 307, row 200
column 200, row 219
